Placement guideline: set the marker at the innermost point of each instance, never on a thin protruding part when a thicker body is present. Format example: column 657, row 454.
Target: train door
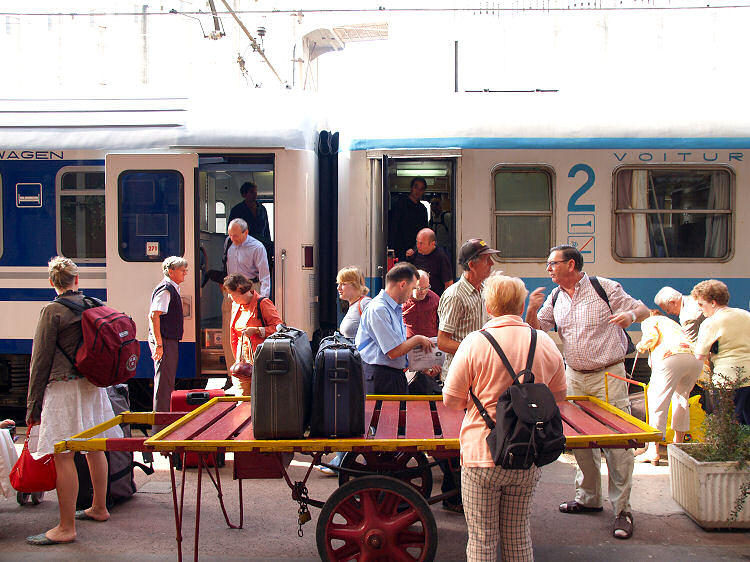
column 152, row 197
column 392, row 182
column 222, row 179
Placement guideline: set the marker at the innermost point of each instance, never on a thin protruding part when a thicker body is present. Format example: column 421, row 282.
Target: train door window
column 221, row 216
column 81, row 220
column 673, row 213
column 523, row 212
column 404, row 217
column 151, row 214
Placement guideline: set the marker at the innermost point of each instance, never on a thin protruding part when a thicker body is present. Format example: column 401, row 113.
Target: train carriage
column 652, row 190
column 119, row 184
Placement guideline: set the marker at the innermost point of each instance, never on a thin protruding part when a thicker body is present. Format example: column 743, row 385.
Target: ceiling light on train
column 412, row 173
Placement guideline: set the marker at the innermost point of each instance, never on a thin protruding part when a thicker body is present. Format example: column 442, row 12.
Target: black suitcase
column 121, row 485
column 282, row 380
column 338, row 396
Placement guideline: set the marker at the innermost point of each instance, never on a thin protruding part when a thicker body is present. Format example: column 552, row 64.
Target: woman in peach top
column 674, row 371
column 256, row 321
column 497, row 501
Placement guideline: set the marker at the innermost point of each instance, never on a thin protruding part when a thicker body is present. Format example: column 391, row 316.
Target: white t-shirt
column 350, row 322
column 730, row 327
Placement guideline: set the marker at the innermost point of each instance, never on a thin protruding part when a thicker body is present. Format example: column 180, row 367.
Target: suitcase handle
column 197, row 398
column 338, row 375
column 277, row 367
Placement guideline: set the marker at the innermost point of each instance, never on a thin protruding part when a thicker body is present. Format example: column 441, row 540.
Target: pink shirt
column 477, row 365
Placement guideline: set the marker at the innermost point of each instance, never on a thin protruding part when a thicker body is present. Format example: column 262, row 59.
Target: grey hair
column 173, row 262
column 62, row 272
column 239, row 222
column 665, row 295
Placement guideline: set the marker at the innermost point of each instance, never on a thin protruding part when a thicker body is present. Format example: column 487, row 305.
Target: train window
column 664, row 214
column 523, row 205
column 81, row 222
column 151, row 214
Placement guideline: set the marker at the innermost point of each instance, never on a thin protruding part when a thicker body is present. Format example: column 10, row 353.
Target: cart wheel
column 22, row 498
column 37, row 497
column 387, row 463
column 376, row 518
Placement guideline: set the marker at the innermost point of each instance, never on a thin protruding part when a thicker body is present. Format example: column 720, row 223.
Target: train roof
column 223, row 120
column 646, row 119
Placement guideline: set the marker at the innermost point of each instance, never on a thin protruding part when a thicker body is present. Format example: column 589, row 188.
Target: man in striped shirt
column 461, row 311
column 593, row 341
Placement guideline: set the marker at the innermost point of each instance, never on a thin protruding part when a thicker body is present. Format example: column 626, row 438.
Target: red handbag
column 30, row 475
column 243, row 367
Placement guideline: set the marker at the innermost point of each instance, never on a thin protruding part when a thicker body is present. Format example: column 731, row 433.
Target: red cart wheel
column 376, row 518
column 388, row 463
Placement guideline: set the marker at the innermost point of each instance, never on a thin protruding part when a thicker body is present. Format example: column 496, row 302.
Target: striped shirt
column 461, row 312
column 589, row 341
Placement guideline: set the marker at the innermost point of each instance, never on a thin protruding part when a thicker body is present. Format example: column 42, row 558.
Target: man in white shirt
column 684, row 307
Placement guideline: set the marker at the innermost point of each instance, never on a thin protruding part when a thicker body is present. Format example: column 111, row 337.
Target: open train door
column 152, row 197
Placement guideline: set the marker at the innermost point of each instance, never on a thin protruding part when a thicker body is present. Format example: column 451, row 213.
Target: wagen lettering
column 30, row 155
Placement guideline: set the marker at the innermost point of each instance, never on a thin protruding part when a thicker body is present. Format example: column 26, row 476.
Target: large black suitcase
column 121, row 484
column 282, row 380
column 338, row 396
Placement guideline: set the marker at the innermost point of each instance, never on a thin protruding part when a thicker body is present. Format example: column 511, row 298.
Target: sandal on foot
column 576, row 507
column 648, row 458
column 43, row 540
column 623, row 525
column 81, row 515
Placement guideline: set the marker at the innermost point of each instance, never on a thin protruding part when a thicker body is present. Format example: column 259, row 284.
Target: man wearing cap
column 461, row 311
column 591, row 329
column 381, row 336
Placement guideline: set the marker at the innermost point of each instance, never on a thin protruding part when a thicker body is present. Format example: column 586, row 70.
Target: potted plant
column 711, row 480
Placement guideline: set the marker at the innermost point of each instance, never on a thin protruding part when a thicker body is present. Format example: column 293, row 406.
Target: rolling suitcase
column 187, row 401
column 338, row 396
column 121, row 484
column 282, row 377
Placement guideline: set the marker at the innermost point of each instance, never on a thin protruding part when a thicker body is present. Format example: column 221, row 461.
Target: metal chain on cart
column 303, row 513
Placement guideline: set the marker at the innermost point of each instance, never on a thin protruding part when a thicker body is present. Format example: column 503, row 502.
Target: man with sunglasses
column 590, row 315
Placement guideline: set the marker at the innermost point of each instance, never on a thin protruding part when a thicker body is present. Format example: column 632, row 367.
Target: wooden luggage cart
column 381, row 508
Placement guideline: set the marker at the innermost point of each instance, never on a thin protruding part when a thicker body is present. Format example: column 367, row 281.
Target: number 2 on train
column 573, row 206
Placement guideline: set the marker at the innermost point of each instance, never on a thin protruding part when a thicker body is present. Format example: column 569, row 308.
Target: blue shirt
column 381, row 330
column 249, row 259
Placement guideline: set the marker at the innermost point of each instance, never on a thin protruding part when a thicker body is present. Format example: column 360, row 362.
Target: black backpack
column 529, row 428
column 602, row 295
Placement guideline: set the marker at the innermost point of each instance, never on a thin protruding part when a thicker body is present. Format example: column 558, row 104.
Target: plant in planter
column 711, row 480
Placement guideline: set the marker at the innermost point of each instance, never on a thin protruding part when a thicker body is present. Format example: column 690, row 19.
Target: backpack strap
column 555, row 294
column 600, row 290
column 258, row 311
column 77, row 308
column 482, row 410
column 501, row 353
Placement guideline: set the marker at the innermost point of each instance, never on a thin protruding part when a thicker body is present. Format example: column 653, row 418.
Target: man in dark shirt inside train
column 255, row 215
column 408, row 217
column 431, row 259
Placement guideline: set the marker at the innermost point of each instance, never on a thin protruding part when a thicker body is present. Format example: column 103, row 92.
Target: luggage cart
column 381, row 508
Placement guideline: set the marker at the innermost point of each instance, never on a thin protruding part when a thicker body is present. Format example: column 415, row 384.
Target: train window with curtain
column 151, row 214
column 81, row 222
column 523, row 212
column 673, row 213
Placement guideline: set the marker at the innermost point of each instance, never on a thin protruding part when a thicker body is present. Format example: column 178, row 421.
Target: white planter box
column 707, row 491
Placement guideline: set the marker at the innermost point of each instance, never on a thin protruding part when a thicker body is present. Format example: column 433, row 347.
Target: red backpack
column 109, row 351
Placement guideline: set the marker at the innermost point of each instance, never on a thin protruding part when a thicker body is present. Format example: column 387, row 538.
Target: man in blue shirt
column 381, row 337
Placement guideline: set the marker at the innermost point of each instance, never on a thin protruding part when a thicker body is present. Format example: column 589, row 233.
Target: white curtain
column 639, row 200
column 716, row 225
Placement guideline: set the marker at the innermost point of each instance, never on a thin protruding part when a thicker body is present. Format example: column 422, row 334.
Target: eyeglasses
column 423, row 289
column 554, row 263
column 343, row 284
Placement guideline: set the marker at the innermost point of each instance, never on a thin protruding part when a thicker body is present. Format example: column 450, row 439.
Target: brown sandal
column 576, row 507
column 623, row 526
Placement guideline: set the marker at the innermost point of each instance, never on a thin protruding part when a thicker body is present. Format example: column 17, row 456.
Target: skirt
column 70, row 407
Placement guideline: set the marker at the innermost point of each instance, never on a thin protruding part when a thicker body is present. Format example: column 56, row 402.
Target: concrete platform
column 143, row 528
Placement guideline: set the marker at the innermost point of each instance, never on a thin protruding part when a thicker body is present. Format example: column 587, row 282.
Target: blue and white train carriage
column 653, row 190
column 120, row 184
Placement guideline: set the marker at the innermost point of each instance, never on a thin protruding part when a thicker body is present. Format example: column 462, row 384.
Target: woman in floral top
column 674, row 371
